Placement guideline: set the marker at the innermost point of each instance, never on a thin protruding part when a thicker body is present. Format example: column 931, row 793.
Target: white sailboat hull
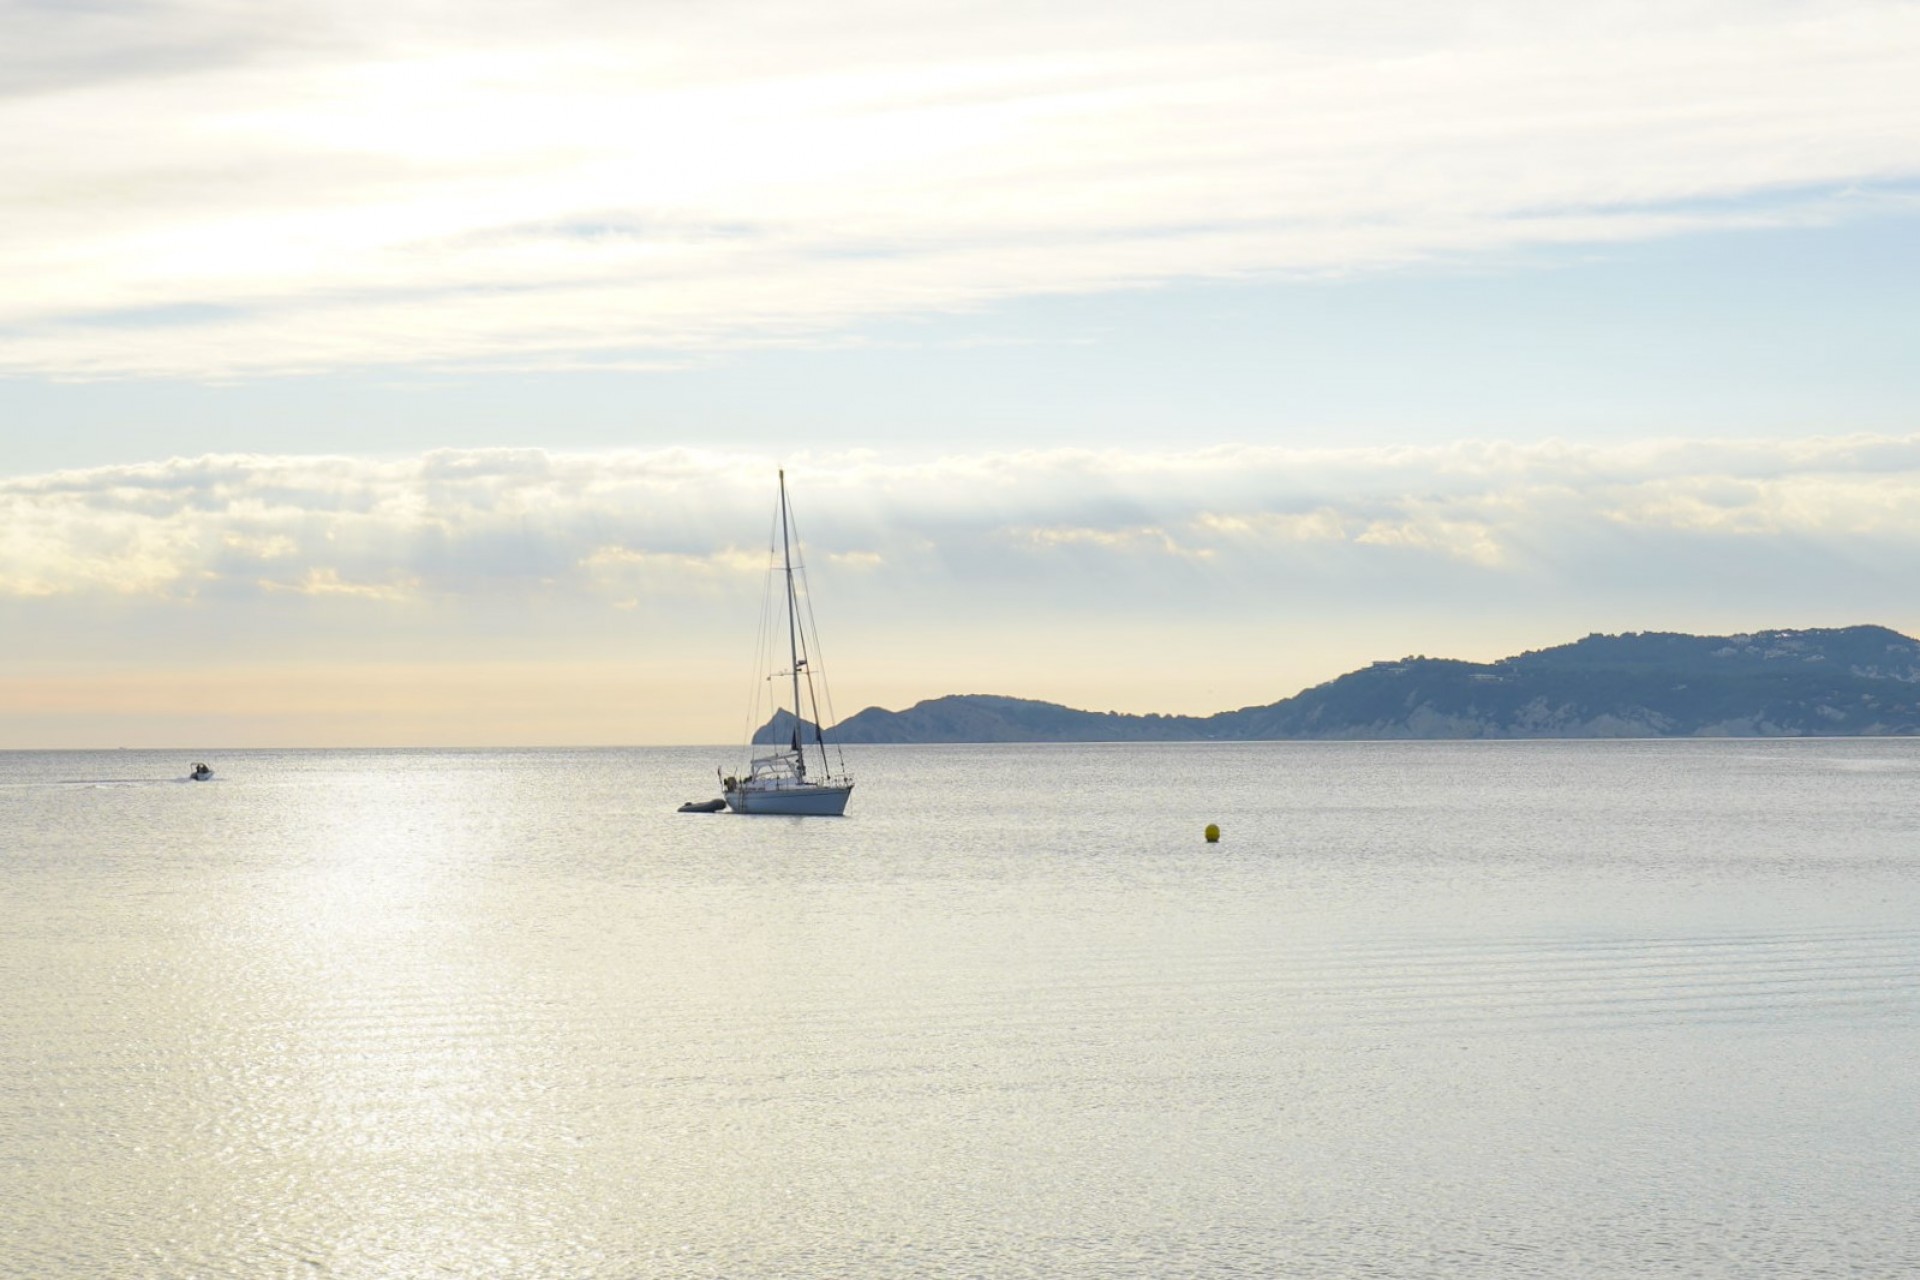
column 778, row 782
column 806, row 801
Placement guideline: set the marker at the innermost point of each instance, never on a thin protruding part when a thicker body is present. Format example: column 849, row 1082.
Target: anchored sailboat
column 795, row 777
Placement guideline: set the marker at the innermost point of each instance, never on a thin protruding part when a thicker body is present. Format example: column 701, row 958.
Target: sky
column 417, row 373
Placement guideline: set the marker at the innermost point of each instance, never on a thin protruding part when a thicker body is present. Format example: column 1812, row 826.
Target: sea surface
column 1427, row 1009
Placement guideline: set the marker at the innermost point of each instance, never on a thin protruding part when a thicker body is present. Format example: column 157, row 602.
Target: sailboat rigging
column 782, row 781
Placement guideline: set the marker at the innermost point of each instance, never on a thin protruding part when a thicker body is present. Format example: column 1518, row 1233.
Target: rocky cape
column 1845, row 681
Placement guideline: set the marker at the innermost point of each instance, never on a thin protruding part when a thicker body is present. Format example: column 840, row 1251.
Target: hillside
column 1846, row 681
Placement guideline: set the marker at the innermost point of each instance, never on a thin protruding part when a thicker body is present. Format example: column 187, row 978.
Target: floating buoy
column 1213, row 834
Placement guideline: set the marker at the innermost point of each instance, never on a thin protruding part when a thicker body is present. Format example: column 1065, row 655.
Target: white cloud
column 328, row 582
column 1467, row 540
column 1148, row 540
column 195, row 193
column 1323, row 525
column 487, row 525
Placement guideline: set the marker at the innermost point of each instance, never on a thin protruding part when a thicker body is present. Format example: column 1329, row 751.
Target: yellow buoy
column 1213, row 834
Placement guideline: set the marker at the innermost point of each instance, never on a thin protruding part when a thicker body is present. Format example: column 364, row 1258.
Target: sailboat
column 795, row 777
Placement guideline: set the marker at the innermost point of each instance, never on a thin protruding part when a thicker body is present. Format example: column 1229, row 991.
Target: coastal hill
column 1845, row 681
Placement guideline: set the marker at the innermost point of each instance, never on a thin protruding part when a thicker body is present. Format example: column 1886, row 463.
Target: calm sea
column 1427, row 1009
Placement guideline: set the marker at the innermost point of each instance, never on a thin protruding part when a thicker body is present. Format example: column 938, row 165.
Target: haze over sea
column 1427, row 1009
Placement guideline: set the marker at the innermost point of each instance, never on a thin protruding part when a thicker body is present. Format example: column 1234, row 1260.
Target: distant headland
column 1842, row 681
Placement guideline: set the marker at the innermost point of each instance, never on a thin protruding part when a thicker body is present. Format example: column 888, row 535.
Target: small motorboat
column 200, row 772
column 703, row 806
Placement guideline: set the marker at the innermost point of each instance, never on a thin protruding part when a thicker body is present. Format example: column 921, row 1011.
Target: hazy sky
column 417, row 373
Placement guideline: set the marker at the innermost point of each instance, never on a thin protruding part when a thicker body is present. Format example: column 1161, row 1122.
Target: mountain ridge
column 1836, row 682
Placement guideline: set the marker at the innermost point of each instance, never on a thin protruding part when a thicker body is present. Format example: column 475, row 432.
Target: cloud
column 492, row 525
column 327, row 582
column 1149, row 540
column 196, row 193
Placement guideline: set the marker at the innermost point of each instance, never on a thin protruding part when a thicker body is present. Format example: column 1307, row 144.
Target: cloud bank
column 197, row 192
column 673, row 525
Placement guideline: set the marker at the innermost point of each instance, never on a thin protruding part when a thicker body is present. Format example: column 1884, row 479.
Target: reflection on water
column 1427, row 1009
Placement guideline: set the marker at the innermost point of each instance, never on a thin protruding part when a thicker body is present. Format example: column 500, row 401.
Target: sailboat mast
column 793, row 622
